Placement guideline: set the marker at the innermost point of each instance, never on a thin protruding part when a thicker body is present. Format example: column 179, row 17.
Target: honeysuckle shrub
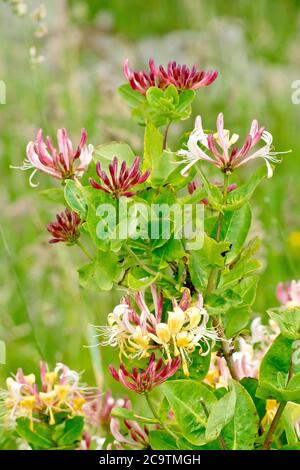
column 176, row 242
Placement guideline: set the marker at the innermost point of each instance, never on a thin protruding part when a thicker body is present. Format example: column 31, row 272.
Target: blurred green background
column 63, row 69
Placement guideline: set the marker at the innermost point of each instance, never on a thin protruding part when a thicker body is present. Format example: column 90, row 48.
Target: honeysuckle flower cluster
column 59, row 391
column 141, row 381
column 180, row 76
column 138, row 334
column 65, row 228
column 61, row 162
column 122, row 180
column 219, row 149
column 288, row 293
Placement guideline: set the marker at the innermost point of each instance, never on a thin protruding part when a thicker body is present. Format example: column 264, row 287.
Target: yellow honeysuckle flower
column 175, row 320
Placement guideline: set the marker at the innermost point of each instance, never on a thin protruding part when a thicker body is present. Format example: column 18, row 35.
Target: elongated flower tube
column 220, row 151
column 121, row 181
column 65, row 228
column 60, row 163
column 141, row 381
column 288, row 293
column 180, row 76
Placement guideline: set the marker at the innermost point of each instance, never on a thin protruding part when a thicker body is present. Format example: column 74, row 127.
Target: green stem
column 212, row 284
column 269, row 438
column 220, row 438
column 84, row 250
column 156, row 416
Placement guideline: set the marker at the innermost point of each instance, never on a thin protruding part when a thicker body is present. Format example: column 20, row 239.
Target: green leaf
column 172, row 250
column 240, row 196
column 162, row 163
column 139, row 279
column 185, row 398
column 101, row 273
column 251, row 385
column 75, row 199
column 212, row 254
column 132, row 97
column 235, row 228
column 106, row 152
column 171, row 94
column 186, row 98
column 101, row 217
column 245, row 265
column 71, row 432
column 165, row 170
column 168, row 105
column 163, row 101
column 235, row 320
column 198, row 367
column 39, row 438
column 246, row 289
column 234, row 304
column 161, row 440
column 221, row 414
column 153, row 147
column 241, row 432
column 274, row 370
column 288, row 320
column 289, row 418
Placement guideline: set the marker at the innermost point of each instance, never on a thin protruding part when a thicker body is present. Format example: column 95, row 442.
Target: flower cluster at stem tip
column 139, row 333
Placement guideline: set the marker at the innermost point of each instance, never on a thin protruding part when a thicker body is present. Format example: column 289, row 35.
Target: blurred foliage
column 255, row 45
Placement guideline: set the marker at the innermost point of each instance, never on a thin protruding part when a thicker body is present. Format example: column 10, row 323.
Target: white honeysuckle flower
column 220, row 150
